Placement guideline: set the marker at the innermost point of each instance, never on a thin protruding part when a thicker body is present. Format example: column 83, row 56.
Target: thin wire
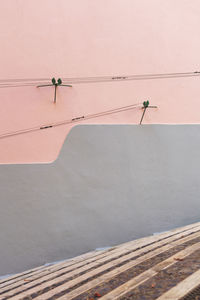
column 20, row 85
column 23, row 79
column 117, row 79
column 70, row 121
column 99, row 77
column 136, row 75
column 5, row 83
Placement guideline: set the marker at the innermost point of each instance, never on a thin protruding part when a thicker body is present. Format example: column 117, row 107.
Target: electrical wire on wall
column 9, row 83
column 71, row 121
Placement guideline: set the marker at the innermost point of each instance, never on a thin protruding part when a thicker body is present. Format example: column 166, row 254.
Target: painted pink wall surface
column 80, row 38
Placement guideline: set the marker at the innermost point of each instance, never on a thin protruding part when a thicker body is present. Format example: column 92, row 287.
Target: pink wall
column 77, row 38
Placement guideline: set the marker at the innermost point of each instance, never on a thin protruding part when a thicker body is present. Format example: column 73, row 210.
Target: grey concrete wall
column 110, row 184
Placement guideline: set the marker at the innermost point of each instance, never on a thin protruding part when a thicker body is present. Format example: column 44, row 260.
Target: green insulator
column 59, row 81
column 53, row 80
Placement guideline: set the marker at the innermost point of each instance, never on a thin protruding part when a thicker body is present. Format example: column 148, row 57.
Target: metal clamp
column 145, row 106
column 55, row 84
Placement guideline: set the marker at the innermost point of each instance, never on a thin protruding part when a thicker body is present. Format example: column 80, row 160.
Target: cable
column 128, row 78
column 99, row 77
column 7, row 83
column 70, row 121
column 19, row 85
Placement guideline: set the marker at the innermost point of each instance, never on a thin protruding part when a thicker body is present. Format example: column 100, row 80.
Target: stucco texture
column 64, row 38
column 110, row 184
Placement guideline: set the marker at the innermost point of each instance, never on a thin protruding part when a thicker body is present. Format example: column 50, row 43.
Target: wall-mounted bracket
column 55, row 84
column 145, row 106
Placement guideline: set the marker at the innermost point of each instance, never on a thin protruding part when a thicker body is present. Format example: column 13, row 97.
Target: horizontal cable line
column 34, row 82
column 117, row 79
column 99, row 77
column 135, row 75
column 24, row 79
column 20, row 85
column 71, row 121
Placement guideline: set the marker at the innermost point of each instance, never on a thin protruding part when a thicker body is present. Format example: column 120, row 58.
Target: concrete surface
column 110, row 184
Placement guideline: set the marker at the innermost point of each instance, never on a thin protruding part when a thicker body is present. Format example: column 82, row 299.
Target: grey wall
column 110, row 184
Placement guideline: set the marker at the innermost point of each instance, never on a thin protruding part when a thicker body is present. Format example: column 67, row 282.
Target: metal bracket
column 55, row 84
column 145, row 106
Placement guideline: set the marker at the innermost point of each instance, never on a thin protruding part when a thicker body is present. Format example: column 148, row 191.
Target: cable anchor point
column 55, row 84
column 145, row 106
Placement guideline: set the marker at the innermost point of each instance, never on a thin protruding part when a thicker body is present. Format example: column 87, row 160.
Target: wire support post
column 145, row 106
column 55, row 84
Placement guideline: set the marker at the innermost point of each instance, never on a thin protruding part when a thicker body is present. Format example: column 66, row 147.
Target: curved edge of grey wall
column 110, row 184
